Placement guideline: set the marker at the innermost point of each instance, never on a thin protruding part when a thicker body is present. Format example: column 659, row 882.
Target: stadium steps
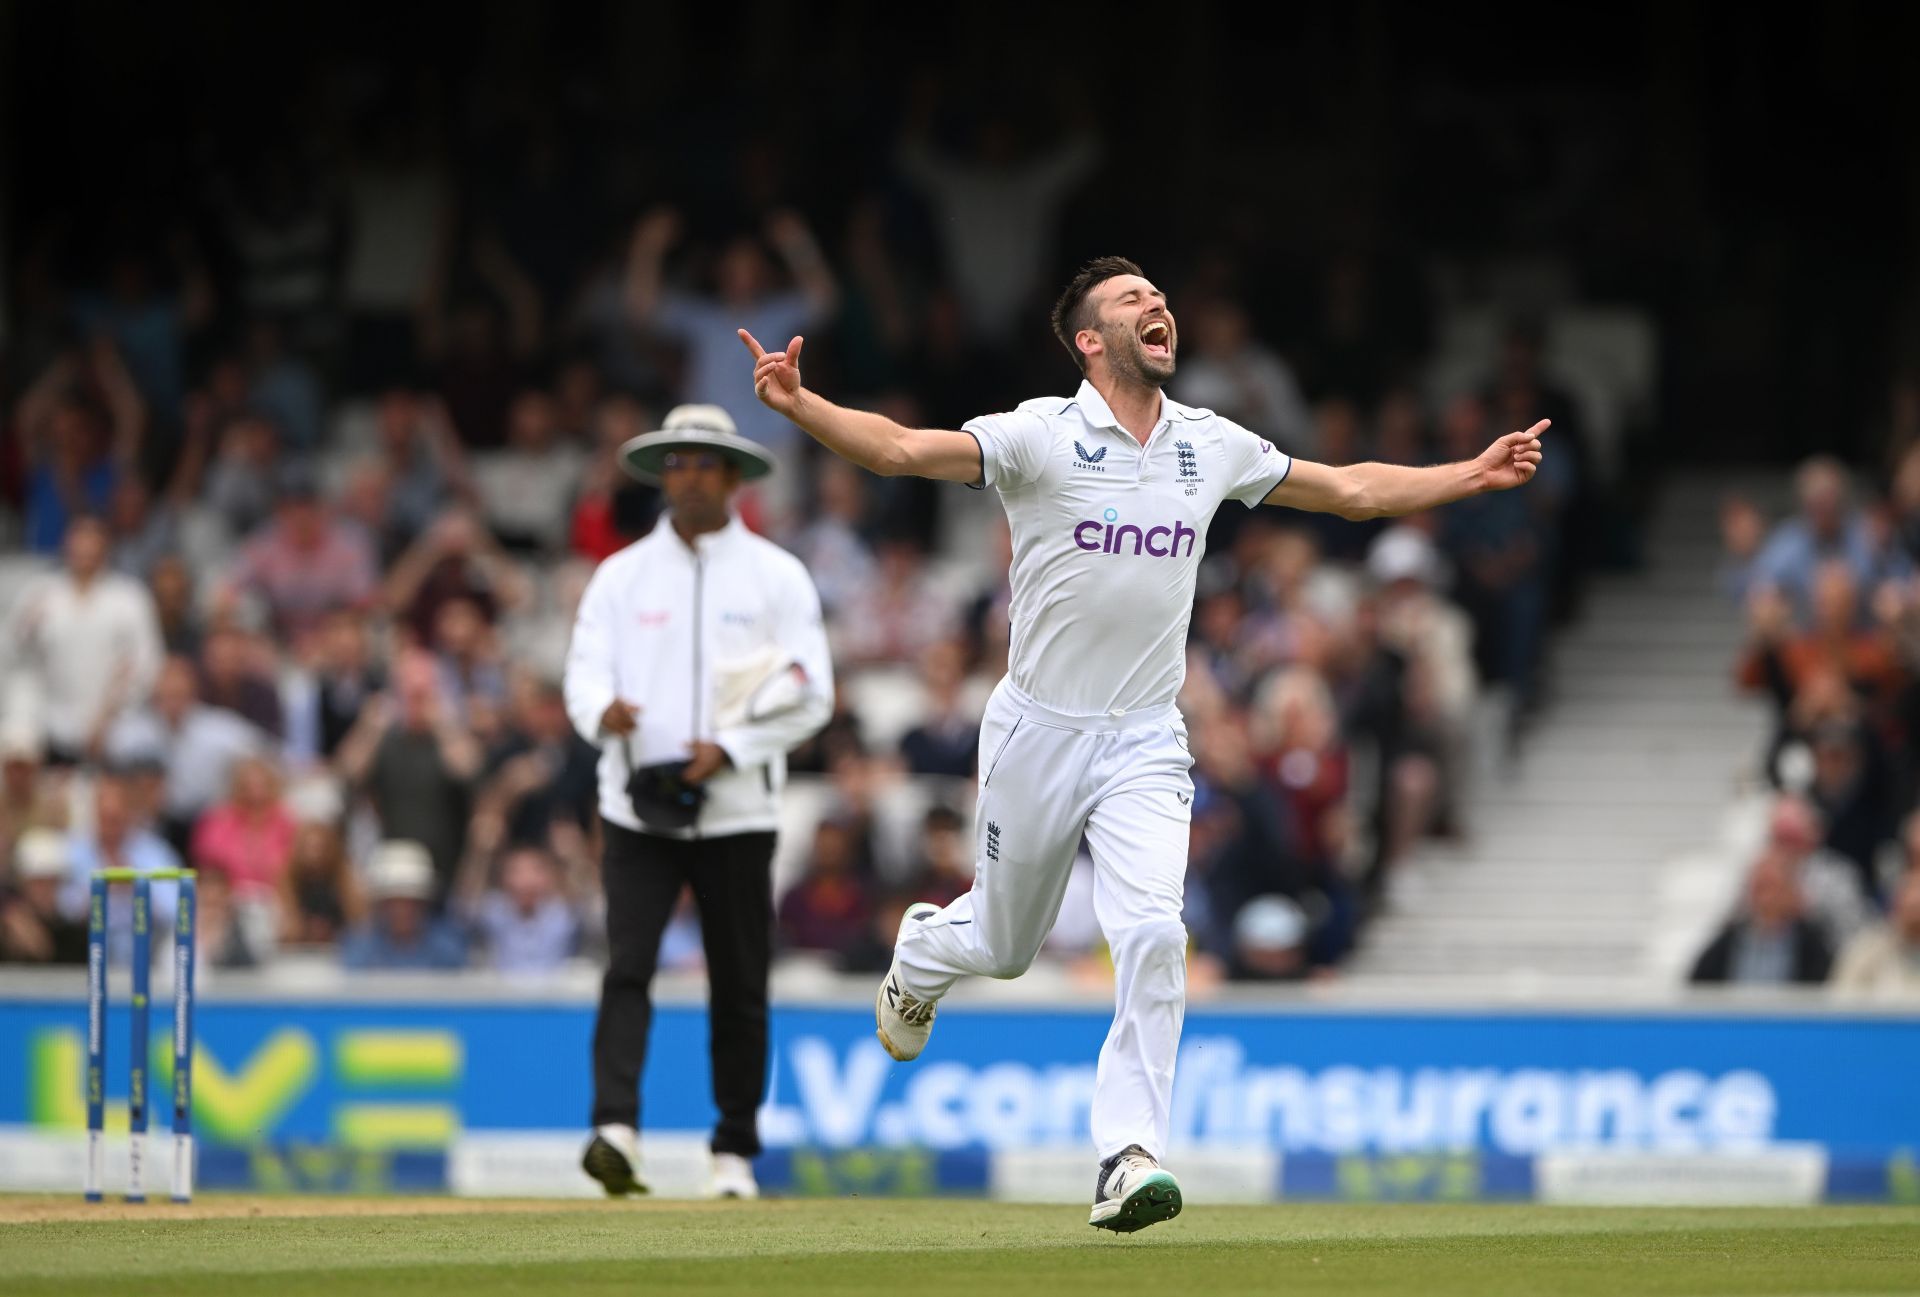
column 1580, row 852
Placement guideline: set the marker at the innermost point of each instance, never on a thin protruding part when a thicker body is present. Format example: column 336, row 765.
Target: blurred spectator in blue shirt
column 1827, row 526
column 81, row 424
column 402, row 932
column 525, row 922
column 1771, row 942
column 195, row 743
column 743, row 298
column 117, row 840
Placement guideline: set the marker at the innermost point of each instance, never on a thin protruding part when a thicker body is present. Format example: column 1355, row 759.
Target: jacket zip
column 699, row 634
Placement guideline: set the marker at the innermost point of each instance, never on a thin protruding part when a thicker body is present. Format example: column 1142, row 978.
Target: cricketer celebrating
column 1108, row 493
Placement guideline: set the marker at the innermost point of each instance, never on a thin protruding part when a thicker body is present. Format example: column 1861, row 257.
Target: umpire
column 698, row 661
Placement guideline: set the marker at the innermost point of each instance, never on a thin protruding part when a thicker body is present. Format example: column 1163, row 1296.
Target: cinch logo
column 1158, row 541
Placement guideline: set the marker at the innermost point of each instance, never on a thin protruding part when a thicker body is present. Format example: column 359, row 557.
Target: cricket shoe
column 902, row 1022
column 1133, row 1192
column 612, row 1158
column 732, row 1178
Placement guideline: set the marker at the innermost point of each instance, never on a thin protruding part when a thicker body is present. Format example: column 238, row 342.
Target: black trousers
column 732, row 879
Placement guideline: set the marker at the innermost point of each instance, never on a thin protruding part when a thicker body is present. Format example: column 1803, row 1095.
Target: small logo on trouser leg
column 993, row 840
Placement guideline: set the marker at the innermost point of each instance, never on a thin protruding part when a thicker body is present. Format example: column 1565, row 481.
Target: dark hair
column 942, row 817
column 1070, row 313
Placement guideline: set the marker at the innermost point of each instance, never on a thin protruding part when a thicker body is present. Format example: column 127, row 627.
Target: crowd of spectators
column 314, row 488
column 1832, row 596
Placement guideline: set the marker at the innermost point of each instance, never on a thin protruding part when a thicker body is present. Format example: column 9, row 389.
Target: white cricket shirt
column 665, row 625
column 1107, row 540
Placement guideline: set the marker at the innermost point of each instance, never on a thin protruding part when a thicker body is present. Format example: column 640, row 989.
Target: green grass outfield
column 292, row 1247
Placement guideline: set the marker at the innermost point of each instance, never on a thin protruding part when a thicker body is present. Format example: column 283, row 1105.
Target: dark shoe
column 612, row 1166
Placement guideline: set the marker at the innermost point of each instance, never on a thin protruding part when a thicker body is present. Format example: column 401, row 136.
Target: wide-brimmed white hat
column 400, row 870
column 1405, row 553
column 22, row 740
column 1270, row 923
column 40, row 853
column 707, row 427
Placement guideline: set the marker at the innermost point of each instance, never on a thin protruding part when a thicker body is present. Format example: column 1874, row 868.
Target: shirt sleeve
column 588, row 680
column 1254, row 465
column 801, row 633
column 1013, row 447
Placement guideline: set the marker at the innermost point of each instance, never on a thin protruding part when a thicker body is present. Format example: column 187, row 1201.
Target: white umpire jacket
column 721, row 641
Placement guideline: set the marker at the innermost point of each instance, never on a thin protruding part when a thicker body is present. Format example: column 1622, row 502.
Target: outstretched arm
column 1360, row 491
column 872, row 441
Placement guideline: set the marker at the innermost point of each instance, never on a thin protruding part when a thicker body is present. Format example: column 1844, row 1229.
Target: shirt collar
column 1101, row 415
column 663, row 531
column 1094, row 406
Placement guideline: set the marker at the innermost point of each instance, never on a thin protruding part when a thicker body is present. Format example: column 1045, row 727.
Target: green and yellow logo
column 248, row 1103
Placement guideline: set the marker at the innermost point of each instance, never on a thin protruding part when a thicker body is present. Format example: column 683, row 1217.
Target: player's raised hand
column 1513, row 460
column 776, row 374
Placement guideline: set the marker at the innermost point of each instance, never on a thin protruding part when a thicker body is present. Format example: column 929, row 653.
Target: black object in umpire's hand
column 662, row 797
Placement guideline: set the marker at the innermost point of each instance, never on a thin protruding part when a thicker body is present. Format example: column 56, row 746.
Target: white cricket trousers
column 1046, row 781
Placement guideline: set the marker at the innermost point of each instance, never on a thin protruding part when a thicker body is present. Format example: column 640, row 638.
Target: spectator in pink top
column 248, row 837
column 305, row 563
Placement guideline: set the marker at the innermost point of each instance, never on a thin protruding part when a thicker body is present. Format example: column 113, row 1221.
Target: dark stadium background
column 1749, row 178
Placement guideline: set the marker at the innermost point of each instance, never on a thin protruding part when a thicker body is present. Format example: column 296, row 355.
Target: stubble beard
column 1129, row 362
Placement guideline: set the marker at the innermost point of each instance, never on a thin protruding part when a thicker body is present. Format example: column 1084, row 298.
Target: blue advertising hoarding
column 1315, row 1085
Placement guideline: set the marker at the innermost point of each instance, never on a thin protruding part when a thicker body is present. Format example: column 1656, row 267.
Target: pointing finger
column 1539, row 427
column 753, row 344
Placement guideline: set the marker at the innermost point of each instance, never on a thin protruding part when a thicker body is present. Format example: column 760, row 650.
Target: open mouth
column 1156, row 339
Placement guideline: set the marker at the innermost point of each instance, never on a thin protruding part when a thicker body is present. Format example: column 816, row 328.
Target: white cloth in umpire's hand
column 757, row 687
